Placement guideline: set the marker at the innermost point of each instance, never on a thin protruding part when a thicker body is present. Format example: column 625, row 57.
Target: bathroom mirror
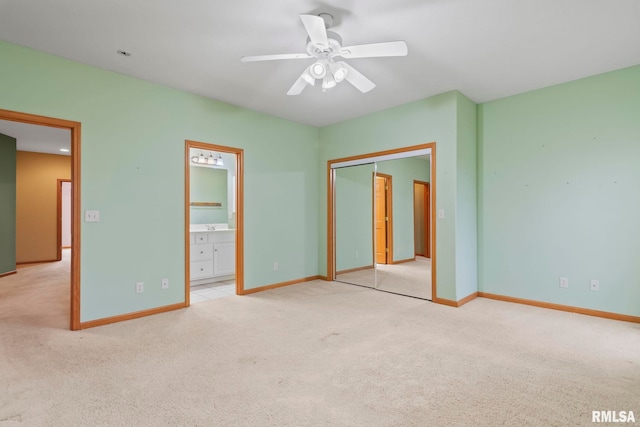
column 382, row 222
column 212, row 187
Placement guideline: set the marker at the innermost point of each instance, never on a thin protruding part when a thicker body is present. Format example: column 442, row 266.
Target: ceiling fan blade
column 302, row 82
column 316, row 30
column 356, row 78
column 374, row 50
column 274, row 57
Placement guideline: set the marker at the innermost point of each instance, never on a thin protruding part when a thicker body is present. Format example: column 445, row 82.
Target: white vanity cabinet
column 201, row 255
column 224, row 258
column 212, row 255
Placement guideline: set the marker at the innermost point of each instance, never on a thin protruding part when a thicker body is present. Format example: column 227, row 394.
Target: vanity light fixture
column 64, row 150
column 201, row 159
column 210, row 160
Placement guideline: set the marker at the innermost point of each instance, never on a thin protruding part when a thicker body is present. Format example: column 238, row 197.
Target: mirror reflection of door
column 421, row 194
column 382, row 215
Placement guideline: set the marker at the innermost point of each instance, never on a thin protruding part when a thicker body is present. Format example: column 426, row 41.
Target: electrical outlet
column 165, row 283
column 564, row 282
column 595, row 285
column 275, row 266
column 139, row 287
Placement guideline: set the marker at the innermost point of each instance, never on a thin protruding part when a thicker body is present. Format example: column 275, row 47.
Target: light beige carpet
column 408, row 278
column 365, row 277
column 314, row 354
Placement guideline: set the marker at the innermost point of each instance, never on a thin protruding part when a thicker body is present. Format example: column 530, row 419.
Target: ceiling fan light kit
column 338, row 70
column 318, row 70
column 324, row 46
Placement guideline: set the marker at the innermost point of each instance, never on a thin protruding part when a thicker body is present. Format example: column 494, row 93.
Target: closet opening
column 380, row 235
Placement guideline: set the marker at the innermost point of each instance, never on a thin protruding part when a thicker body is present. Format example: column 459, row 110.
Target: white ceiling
column 41, row 139
column 486, row 49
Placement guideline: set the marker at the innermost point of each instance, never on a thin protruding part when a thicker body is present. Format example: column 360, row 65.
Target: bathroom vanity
column 212, row 253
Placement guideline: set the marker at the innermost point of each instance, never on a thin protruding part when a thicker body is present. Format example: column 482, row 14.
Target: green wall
column 7, row 204
column 208, row 185
column 559, row 193
column 466, row 199
column 133, row 139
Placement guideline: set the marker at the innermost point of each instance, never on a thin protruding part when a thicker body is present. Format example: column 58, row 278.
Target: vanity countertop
column 210, row 228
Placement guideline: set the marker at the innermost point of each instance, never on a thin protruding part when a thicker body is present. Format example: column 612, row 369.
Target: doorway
column 214, row 220
column 63, row 220
column 74, row 129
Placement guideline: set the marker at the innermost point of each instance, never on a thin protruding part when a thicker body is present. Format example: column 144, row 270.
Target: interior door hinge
column 386, row 250
column 386, row 218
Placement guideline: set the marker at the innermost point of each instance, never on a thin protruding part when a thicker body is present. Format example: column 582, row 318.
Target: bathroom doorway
column 214, row 238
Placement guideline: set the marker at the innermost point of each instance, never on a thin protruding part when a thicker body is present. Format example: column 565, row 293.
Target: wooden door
column 381, row 220
column 421, row 218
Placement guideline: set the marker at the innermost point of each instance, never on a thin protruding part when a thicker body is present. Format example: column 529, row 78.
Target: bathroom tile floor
column 211, row 291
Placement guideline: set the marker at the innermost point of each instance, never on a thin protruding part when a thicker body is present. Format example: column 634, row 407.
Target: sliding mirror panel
column 353, row 192
column 403, row 264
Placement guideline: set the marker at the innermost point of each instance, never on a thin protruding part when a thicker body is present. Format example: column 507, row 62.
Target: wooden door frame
column 388, row 179
column 59, row 218
column 427, row 201
column 75, row 131
column 331, row 181
column 239, row 153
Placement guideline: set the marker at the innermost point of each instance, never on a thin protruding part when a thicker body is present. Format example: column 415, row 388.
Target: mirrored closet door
column 401, row 229
column 382, row 223
column 353, row 225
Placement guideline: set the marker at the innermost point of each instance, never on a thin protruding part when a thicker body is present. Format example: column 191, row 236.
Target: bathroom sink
column 203, row 228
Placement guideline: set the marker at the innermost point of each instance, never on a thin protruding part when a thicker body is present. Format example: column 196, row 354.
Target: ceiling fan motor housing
column 334, row 46
column 328, row 20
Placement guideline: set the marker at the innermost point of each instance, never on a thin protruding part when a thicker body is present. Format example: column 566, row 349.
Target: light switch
column 564, row 282
column 91, row 216
column 440, row 213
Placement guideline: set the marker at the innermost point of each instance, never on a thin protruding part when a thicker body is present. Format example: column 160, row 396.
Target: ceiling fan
column 326, row 47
